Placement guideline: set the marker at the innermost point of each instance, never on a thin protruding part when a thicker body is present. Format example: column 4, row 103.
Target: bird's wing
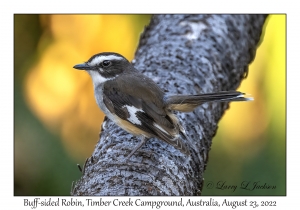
column 140, row 103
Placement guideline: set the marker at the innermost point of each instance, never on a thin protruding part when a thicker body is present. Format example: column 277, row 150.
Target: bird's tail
column 187, row 103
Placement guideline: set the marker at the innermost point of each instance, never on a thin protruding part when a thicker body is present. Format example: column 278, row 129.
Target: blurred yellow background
column 57, row 121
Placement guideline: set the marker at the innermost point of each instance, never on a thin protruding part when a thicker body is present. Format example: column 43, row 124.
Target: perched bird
column 138, row 105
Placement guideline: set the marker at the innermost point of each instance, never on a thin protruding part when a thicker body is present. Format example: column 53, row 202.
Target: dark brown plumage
column 138, row 105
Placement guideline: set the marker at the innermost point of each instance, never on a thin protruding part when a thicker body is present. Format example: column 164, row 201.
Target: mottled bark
column 185, row 54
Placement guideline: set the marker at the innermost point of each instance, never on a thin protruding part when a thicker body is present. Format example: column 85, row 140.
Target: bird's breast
column 98, row 92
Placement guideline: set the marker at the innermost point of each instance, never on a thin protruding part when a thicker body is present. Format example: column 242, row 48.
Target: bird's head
column 105, row 66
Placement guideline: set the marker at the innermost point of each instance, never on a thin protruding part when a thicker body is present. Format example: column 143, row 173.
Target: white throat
column 97, row 78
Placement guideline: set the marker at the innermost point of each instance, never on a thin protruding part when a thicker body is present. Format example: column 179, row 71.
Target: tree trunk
column 184, row 54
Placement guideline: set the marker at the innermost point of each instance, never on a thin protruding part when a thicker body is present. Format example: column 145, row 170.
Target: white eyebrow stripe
column 99, row 59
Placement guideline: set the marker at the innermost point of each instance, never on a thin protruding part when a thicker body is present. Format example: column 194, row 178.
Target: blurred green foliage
column 41, row 165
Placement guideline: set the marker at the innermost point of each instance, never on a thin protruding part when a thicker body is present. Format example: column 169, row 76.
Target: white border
column 8, row 8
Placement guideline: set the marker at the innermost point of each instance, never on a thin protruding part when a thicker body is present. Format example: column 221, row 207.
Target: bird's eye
column 106, row 63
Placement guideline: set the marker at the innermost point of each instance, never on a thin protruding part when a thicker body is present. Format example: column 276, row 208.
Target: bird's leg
column 142, row 142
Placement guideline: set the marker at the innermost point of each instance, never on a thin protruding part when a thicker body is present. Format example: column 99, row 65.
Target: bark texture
column 184, row 54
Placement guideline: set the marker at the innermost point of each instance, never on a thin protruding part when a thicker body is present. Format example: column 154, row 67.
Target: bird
column 138, row 105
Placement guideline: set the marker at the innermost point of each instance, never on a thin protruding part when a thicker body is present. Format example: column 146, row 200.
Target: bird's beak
column 82, row 66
